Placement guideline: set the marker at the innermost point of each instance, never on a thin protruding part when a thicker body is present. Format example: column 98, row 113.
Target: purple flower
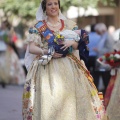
column 28, row 88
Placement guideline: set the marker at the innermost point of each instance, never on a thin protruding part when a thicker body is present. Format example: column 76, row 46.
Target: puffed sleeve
column 34, row 36
column 71, row 25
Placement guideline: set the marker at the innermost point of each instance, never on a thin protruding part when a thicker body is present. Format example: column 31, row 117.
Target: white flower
column 117, row 56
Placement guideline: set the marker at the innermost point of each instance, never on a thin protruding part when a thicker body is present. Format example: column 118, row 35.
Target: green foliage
column 27, row 8
column 85, row 3
column 21, row 8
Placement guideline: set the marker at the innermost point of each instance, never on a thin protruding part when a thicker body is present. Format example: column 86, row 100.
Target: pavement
column 11, row 102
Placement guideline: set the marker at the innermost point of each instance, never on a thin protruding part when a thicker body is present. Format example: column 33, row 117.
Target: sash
column 87, row 74
column 45, row 32
column 49, row 37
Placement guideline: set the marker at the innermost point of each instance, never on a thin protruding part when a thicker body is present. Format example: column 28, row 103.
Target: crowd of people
column 101, row 45
column 63, row 75
column 101, row 42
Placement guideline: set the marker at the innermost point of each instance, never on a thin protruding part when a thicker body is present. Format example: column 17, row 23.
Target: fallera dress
column 59, row 90
column 11, row 70
column 112, row 95
column 113, row 108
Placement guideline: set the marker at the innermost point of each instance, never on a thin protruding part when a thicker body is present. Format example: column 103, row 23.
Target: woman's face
column 52, row 8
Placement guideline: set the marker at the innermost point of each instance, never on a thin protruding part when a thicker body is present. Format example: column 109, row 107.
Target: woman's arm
column 39, row 51
column 34, row 49
column 75, row 45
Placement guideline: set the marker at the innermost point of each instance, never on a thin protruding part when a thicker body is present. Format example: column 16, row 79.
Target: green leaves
column 21, row 8
column 28, row 8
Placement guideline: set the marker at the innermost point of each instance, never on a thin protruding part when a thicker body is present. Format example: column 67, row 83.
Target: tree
column 21, row 8
column 27, row 8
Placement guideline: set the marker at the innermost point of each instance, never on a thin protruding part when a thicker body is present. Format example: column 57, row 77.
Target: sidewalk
column 11, row 102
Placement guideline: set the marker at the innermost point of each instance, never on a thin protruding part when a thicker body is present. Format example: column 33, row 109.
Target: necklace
column 53, row 25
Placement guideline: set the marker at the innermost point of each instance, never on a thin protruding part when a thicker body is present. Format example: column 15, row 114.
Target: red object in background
column 14, row 38
column 107, row 54
column 112, row 61
column 100, row 59
column 114, row 64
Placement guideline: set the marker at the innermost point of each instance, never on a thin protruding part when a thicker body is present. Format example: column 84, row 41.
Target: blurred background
column 16, row 17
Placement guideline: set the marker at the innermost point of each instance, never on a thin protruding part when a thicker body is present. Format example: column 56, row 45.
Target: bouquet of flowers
column 112, row 59
column 59, row 39
column 57, row 43
column 62, row 36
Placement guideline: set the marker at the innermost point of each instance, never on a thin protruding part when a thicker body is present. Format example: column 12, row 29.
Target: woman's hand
column 68, row 44
column 57, row 55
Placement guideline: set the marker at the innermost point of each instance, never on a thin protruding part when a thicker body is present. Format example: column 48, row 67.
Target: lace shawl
column 28, row 56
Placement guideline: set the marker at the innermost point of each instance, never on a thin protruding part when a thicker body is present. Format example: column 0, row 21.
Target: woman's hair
column 44, row 5
column 100, row 27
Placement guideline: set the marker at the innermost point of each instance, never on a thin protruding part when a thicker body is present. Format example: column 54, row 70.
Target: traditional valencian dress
column 60, row 90
column 11, row 70
column 112, row 95
column 113, row 108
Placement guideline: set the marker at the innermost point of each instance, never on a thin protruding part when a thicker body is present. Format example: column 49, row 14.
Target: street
column 11, row 102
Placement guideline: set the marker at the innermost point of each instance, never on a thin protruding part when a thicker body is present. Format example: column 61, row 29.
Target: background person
column 105, row 45
column 94, row 39
column 11, row 71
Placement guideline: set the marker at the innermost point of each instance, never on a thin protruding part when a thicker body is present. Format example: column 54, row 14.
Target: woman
column 61, row 89
column 11, row 71
column 112, row 95
column 113, row 108
column 105, row 45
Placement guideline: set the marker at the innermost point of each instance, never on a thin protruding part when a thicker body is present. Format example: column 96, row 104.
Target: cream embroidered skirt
column 60, row 91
